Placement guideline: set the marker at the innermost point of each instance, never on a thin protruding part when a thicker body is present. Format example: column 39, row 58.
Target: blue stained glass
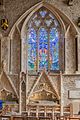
column 43, row 49
column 48, row 49
column 43, row 13
column 32, row 46
column 54, row 49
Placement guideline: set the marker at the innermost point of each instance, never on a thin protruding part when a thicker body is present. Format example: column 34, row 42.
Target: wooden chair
column 50, row 111
column 68, row 110
column 31, row 110
column 41, row 111
column 57, row 110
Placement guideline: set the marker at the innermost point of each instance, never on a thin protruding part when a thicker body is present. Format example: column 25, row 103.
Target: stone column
column 78, row 53
column 27, row 70
column 0, row 55
column 20, row 101
column 69, row 52
column 9, row 54
column 66, row 50
column 66, row 57
column 62, row 99
column 26, row 88
column 27, row 79
column 0, row 52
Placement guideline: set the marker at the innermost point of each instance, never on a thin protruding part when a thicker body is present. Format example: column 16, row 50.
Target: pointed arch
column 27, row 15
column 49, row 80
column 47, row 6
column 25, row 29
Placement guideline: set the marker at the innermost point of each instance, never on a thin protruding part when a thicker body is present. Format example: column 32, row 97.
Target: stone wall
column 16, row 53
column 13, row 10
column 69, row 83
column 71, row 11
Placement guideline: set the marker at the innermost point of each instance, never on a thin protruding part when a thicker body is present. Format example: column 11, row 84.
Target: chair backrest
column 57, row 108
column 49, row 109
column 68, row 109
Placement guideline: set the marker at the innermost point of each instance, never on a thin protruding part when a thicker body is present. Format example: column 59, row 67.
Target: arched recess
column 63, row 19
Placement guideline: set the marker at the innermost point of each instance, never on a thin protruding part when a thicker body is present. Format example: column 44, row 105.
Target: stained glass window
column 43, row 49
column 43, row 41
column 54, row 49
column 48, row 22
column 32, row 46
column 37, row 22
column 43, row 13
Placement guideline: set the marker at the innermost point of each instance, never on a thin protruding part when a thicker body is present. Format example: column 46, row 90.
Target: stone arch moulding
column 27, row 15
column 24, row 31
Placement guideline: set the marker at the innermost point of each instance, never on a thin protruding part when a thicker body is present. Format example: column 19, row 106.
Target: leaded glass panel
column 43, row 49
column 54, row 49
column 43, row 41
column 43, row 13
column 37, row 22
column 32, row 47
column 48, row 22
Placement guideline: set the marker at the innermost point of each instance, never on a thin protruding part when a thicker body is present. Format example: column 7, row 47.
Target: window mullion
column 48, row 50
column 38, row 50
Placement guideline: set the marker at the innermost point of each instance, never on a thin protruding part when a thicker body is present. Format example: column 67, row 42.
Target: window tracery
column 43, row 41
